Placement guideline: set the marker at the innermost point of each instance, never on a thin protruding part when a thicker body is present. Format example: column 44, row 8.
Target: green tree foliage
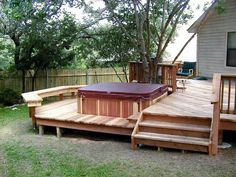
column 41, row 33
column 6, row 53
column 105, row 46
column 155, row 24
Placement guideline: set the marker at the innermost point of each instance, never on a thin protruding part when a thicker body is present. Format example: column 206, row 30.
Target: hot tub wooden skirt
column 118, row 99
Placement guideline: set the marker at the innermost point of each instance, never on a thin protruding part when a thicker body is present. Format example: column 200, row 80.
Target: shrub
column 9, row 97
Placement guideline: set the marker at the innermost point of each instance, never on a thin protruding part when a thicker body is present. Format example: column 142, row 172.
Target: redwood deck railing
column 224, row 101
column 168, row 73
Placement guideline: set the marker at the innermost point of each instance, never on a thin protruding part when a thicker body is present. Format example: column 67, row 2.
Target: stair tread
column 173, row 138
column 228, row 117
column 170, row 125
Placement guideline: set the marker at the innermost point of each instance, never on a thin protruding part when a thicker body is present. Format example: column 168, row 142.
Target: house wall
column 212, row 42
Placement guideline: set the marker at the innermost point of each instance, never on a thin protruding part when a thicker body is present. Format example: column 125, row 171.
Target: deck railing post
column 215, row 100
column 32, row 116
column 61, row 96
column 174, row 84
column 215, row 128
column 163, row 75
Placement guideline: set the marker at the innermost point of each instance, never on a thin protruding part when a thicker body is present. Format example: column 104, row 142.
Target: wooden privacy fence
column 53, row 78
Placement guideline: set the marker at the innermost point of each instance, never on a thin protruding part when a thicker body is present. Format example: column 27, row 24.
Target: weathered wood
column 173, row 125
column 222, row 94
column 174, row 131
column 32, row 116
column 54, row 78
column 61, row 96
column 168, row 75
column 229, row 93
column 87, row 127
column 215, row 128
column 41, row 129
column 220, row 140
column 197, row 112
column 216, row 88
column 59, row 132
column 135, row 131
column 177, row 118
column 34, row 99
column 173, row 145
column 214, row 136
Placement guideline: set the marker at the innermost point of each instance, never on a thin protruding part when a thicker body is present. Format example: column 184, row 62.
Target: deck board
column 192, row 101
column 66, row 111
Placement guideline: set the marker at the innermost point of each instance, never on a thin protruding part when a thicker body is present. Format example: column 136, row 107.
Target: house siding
column 212, row 42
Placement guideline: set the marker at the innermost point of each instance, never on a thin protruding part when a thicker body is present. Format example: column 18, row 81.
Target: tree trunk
column 16, row 39
column 116, row 73
column 33, row 79
column 23, row 81
column 125, row 72
column 33, row 83
column 182, row 49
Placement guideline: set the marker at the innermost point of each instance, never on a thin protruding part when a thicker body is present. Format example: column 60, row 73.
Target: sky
column 189, row 54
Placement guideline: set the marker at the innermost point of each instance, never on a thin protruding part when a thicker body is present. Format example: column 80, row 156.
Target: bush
column 9, row 97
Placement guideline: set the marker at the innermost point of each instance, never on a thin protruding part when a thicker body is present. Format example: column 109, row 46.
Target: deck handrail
column 221, row 100
column 35, row 98
column 215, row 100
column 168, row 73
column 215, row 97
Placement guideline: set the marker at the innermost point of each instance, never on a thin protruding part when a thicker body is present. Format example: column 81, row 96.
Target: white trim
column 193, row 28
column 197, row 60
column 226, row 49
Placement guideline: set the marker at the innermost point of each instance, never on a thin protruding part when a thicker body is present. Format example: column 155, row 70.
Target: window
column 231, row 50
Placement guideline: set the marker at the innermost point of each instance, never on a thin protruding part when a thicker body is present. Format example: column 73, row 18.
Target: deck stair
column 178, row 132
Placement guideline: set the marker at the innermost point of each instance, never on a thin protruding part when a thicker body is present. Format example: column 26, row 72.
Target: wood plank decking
column 64, row 114
column 194, row 101
column 182, row 120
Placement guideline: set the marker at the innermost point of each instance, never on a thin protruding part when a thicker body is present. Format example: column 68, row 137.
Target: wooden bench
column 34, row 99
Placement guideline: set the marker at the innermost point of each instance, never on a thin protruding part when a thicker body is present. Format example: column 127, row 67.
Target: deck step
column 178, row 132
column 172, row 138
column 134, row 118
column 205, row 121
column 228, row 117
column 176, row 126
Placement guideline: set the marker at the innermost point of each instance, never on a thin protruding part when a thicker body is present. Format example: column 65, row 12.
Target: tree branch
column 177, row 56
column 174, row 27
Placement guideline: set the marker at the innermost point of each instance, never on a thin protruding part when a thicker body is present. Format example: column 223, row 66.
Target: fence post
column 86, row 77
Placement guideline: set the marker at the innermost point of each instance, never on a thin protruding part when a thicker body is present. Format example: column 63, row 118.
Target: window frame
column 226, row 49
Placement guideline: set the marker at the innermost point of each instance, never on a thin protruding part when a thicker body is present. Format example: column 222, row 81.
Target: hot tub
column 118, row 99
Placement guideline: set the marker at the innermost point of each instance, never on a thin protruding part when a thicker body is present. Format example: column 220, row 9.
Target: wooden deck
column 64, row 114
column 194, row 101
column 182, row 120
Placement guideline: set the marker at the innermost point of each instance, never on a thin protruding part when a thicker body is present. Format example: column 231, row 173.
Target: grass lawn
column 24, row 153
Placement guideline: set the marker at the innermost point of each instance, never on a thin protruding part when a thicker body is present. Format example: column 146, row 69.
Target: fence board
column 53, row 78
